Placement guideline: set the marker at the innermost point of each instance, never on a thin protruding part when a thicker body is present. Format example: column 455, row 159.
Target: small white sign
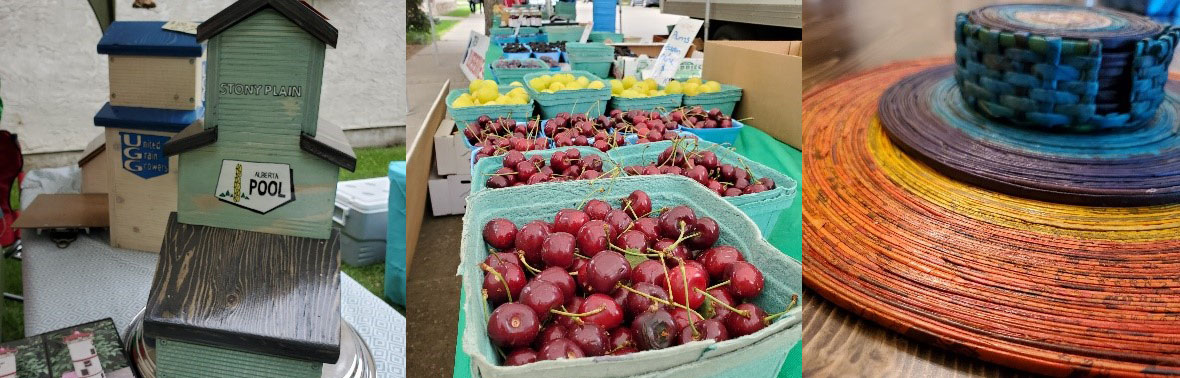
column 473, row 63
column 666, row 65
column 260, row 187
column 586, row 29
column 181, row 26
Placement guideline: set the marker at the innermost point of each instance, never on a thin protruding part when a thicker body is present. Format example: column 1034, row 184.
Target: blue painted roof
column 147, row 38
column 149, row 119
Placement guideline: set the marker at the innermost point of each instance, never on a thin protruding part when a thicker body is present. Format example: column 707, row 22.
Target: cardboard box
column 421, row 151
column 448, row 195
column 770, row 74
column 451, row 155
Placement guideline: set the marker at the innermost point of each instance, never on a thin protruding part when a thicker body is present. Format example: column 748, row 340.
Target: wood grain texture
column 138, row 206
column 844, row 37
column 330, row 144
column 95, row 177
column 156, row 82
column 249, row 291
column 418, row 171
column 306, row 17
column 65, row 211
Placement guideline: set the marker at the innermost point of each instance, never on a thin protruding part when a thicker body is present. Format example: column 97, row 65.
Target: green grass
column 461, row 11
column 370, row 163
column 421, row 37
column 12, row 319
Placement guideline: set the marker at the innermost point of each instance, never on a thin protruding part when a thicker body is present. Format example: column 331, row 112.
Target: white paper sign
column 665, row 66
column 260, row 187
column 589, row 26
column 473, row 63
column 181, row 26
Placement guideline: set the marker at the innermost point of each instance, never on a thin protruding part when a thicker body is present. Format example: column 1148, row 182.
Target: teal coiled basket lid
column 1061, row 66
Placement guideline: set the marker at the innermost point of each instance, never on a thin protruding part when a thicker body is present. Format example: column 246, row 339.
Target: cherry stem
column 500, row 277
column 573, row 315
column 659, row 300
column 684, row 275
column 790, row 306
column 723, row 283
column 582, row 256
column 523, row 261
column 630, row 252
column 743, row 313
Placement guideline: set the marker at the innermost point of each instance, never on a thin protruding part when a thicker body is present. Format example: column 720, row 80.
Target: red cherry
column 596, row 209
column 610, row 316
column 559, row 277
column 739, row 325
column 705, row 330
column 707, row 232
column 511, row 274
column 521, row 356
column 560, row 349
column 745, row 280
column 594, row 237
column 620, row 338
column 558, row 250
column 647, row 226
column 674, row 253
column 637, row 304
column 637, row 204
column 541, row 296
column 569, row 221
column 632, row 240
column 513, row 158
column 673, row 221
column 499, row 259
column 500, row 233
column 717, row 311
column 717, row 259
column 552, row 332
column 572, row 304
column 618, row 221
column 605, row 270
column 654, row 330
column 694, row 274
column 623, row 351
column 513, row 325
column 681, row 318
column 651, row 272
column 591, row 338
column 529, row 239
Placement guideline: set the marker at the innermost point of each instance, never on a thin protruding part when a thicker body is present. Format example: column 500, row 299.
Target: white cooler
column 361, row 214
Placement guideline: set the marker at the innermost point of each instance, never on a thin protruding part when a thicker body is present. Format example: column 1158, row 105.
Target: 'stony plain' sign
column 260, row 187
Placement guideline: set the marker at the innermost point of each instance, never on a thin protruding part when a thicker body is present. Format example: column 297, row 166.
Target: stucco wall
column 52, row 80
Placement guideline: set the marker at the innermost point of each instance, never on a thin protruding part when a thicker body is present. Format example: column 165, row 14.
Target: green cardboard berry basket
column 665, row 103
column 590, row 50
column 509, row 75
column 487, row 166
column 725, row 99
column 601, row 36
column 568, row 33
column 469, row 114
column 757, row 355
column 763, row 208
column 591, row 102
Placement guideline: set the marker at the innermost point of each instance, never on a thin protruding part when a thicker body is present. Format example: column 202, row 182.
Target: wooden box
column 150, row 67
column 95, row 177
column 141, row 179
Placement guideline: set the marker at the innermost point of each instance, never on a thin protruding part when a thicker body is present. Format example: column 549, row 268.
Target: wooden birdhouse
column 156, row 91
column 249, row 274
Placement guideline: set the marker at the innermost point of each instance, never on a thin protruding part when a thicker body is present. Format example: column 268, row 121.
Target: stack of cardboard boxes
column 450, row 181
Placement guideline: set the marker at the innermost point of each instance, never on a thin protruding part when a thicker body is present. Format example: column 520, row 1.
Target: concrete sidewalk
column 433, row 65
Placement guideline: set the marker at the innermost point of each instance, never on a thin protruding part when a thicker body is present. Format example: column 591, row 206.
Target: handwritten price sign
column 665, row 66
column 472, row 64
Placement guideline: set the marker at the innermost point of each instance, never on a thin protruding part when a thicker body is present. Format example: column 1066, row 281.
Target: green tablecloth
column 787, row 237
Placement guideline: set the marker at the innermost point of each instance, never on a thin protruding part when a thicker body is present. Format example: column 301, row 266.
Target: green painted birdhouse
column 261, row 162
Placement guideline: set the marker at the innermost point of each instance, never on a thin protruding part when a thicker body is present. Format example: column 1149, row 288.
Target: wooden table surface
column 848, row 36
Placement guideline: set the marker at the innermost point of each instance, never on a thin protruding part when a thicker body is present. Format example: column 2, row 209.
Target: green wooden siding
column 176, row 359
column 309, row 215
column 266, row 49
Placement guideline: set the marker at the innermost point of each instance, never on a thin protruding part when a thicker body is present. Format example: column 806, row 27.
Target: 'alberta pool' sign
column 143, row 154
column 260, row 187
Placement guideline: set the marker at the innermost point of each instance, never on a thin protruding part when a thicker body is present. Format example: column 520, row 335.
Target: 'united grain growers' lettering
column 261, row 90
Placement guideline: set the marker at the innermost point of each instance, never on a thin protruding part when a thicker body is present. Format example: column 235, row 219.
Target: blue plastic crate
column 522, row 55
column 720, row 136
column 395, row 241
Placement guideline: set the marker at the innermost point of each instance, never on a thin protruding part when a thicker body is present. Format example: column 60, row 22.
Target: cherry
column 609, row 317
column 500, row 233
column 529, row 239
column 745, row 280
column 525, row 170
column 620, row 296
column 705, row 330
column 596, row 209
column 708, row 159
column 572, row 304
column 558, row 250
column 718, row 311
column 653, row 330
column 694, row 274
column 591, row 338
column 541, row 296
column 674, row 253
column 651, row 272
column 618, row 220
column 559, row 277
column 499, row 259
column 605, row 270
column 552, row 332
column 647, row 226
column 767, row 182
column 732, row 192
column 707, row 232
column 717, row 259
column 637, row 304
column 560, row 349
column 497, row 182
column 494, row 283
column 673, row 221
column 558, row 161
column 512, row 158
column 632, row 240
column 594, row 237
column 513, row 325
column 623, row 351
column 682, row 317
column 520, row 356
column 620, row 338
column 739, row 325
column 637, row 204
column 569, row 221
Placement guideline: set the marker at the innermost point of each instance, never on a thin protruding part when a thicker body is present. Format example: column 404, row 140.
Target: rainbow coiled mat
column 1045, row 287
